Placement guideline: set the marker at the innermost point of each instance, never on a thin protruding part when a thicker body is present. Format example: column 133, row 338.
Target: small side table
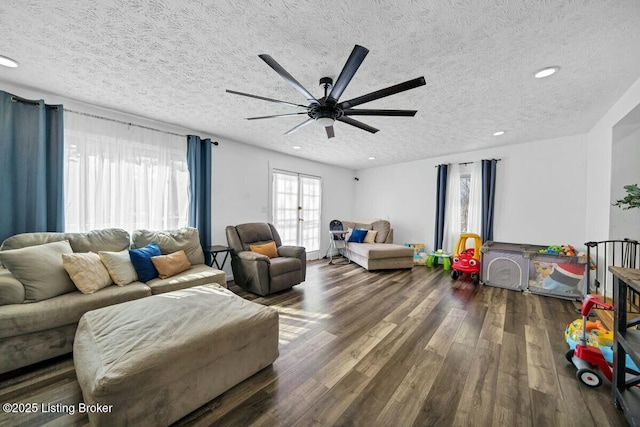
column 446, row 260
column 214, row 251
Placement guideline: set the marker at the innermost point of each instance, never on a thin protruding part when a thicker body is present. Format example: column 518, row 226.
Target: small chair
column 258, row 273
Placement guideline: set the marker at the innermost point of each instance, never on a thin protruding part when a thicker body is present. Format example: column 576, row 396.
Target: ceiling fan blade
column 330, row 133
column 277, row 115
column 350, row 67
column 306, row 122
column 363, row 112
column 265, row 99
column 391, row 90
column 289, row 78
column 356, row 123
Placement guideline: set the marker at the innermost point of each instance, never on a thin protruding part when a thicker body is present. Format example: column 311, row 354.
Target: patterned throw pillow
column 87, row 271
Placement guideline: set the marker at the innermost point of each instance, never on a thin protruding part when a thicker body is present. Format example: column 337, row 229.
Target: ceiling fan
column 326, row 110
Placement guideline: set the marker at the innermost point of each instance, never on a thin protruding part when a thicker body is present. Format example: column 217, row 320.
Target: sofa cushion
column 40, row 270
column 11, row 289
column 200, row 274
column 283, row 265
column 381, row 250
column 254, row 233
column 348, row 224
column 141, row 260
column 20, row 319
column 186, row 239
column 172, row 264
column 382, row 227
column 119, row 266
column 86, row 271
column 108, row 239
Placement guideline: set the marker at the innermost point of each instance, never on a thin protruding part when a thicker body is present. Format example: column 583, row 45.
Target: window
column 123, row 176
column 465, row 188
column 464, row 203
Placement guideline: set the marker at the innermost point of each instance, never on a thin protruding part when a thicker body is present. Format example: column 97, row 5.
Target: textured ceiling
column 172, row 60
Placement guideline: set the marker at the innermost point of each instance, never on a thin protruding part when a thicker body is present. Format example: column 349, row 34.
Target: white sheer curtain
column 452, row 217
column 475, row 199
column 123, row 176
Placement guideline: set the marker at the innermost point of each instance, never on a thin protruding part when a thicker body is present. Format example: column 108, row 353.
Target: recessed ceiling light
column 372, row 158
column 500, row 132
column 546, row 72
column 297, row 147
column 8, row 62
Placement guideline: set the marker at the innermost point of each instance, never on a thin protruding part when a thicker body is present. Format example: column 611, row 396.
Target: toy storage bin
column 557, row 275
column 506, row 265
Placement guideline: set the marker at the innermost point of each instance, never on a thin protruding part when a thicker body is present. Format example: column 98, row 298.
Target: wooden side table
column 446, row 259
column 214, row 251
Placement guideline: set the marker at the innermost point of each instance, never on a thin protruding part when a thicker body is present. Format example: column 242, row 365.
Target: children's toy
column 568, row 250
column 552, row 250
column 467, row 260
column 591, row 345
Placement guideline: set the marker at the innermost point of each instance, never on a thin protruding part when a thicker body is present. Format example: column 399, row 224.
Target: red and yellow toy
column 467, row 259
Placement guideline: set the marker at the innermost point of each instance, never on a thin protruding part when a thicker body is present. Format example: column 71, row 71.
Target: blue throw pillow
column 358, row 235
column 141, row 260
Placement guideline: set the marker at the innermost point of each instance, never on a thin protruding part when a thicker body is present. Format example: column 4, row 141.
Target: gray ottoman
column 151, row 361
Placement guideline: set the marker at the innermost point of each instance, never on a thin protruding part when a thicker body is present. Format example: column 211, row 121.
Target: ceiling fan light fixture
column 325, row 121
column 8, row 62
column 546, row 72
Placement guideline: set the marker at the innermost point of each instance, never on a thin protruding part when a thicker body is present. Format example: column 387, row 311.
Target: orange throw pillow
column 172, row 264
column 268, row 249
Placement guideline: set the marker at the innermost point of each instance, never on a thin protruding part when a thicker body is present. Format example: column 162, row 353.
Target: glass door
column 296, row 209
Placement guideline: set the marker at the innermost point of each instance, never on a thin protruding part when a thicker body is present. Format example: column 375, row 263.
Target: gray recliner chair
column 258, row 273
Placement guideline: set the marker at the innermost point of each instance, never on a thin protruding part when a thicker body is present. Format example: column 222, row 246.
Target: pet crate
column 522, row 267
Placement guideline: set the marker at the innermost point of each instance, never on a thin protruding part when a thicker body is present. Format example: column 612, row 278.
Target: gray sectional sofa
column 382, row 254
column 38, row 321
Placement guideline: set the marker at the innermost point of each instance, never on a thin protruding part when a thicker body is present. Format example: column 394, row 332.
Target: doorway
column 296, row 200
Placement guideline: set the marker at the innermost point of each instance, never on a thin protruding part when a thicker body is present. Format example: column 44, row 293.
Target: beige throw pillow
column 40, row 270
column 119, row 266
column 172, row 264
column 87, row 271
column 370, row 237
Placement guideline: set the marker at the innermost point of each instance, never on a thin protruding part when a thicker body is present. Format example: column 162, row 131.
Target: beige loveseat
column 382, row 254
column 38, row 320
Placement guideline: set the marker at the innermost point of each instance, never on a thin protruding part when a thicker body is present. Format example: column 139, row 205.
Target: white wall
column 599, row 164
column 625, row 170
column 240, row 173
column 540, row 193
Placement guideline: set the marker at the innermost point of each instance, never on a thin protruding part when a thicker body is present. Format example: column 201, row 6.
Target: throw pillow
column 87, row 271
column 172, row 264
column 141, row 260
column 357, row 235
column 119, row 266
column 370, row 237
column 268, row 249
column 40, row 269
column 348, row 235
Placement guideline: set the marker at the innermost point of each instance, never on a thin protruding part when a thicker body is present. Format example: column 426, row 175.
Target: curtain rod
column 128, row 123
column 468, row 163
column 31, row 101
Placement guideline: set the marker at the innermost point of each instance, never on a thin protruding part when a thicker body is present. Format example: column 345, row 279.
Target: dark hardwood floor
column 393, row 348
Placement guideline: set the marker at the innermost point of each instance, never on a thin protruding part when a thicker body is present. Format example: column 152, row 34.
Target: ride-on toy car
column 467, row 260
